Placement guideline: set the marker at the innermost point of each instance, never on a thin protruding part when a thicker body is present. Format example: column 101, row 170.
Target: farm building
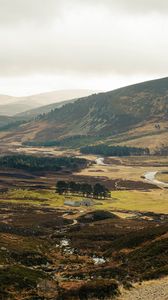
column 84, row 202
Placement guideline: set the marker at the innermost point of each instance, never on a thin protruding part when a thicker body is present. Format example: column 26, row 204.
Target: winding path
column 74, row 220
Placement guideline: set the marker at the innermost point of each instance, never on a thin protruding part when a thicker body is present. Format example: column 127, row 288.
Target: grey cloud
column 121, row 52
column 134, row 6
column 16, row 11
column 92, row 46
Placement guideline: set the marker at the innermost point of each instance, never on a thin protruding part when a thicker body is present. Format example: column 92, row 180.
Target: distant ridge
column 32, row 113
column 11, row 106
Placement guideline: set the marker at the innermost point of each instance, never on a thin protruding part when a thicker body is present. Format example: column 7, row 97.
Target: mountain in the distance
column 32, row 113
column 6, row 99
column 134, row 115
column 11, row 106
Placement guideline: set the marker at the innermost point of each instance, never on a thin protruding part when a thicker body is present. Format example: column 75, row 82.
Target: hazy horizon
column 78, row 89
column 47, row 92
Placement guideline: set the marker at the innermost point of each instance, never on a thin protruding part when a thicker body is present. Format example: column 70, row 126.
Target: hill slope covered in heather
column 136, row 115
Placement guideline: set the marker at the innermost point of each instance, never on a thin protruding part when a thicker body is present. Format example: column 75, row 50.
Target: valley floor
column 52, row 251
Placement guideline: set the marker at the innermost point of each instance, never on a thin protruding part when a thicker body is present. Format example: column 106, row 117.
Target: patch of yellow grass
column 37, row 197
column 153, row 201
column 145, row 135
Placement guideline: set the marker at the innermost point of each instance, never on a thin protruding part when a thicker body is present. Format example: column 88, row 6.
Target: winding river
column 150, row 177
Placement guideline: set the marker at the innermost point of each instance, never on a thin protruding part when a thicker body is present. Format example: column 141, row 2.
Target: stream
column 100, row 161
column 149, row 176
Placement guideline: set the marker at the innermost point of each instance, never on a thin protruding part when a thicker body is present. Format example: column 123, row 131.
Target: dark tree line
column 34, row 163
column 106, row 150
column 84, row 189
column 70, row 142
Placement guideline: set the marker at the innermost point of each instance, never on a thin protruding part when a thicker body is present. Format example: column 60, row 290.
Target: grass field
column 144, row 201
column 37, row 197
column 45, row 244
column 153, row 201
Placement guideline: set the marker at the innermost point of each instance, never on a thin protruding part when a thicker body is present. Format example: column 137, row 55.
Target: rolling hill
column 11, row 106
column 134, row 115
column 5, row 120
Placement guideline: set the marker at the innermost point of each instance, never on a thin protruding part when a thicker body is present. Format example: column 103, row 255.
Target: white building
column 84, row 202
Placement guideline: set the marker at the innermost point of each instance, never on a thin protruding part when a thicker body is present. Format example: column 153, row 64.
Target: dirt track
column 152, row 290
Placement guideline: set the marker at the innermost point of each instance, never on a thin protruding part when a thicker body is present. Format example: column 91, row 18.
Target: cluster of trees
column 105, row 150
column 33, row 163
column 70, row 142
column 84, row 189
column 162, row 151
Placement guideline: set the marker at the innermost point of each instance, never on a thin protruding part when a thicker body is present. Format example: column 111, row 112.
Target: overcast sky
column 94, row 44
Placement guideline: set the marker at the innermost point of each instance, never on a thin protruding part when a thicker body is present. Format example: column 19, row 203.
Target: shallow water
column 98, row 260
